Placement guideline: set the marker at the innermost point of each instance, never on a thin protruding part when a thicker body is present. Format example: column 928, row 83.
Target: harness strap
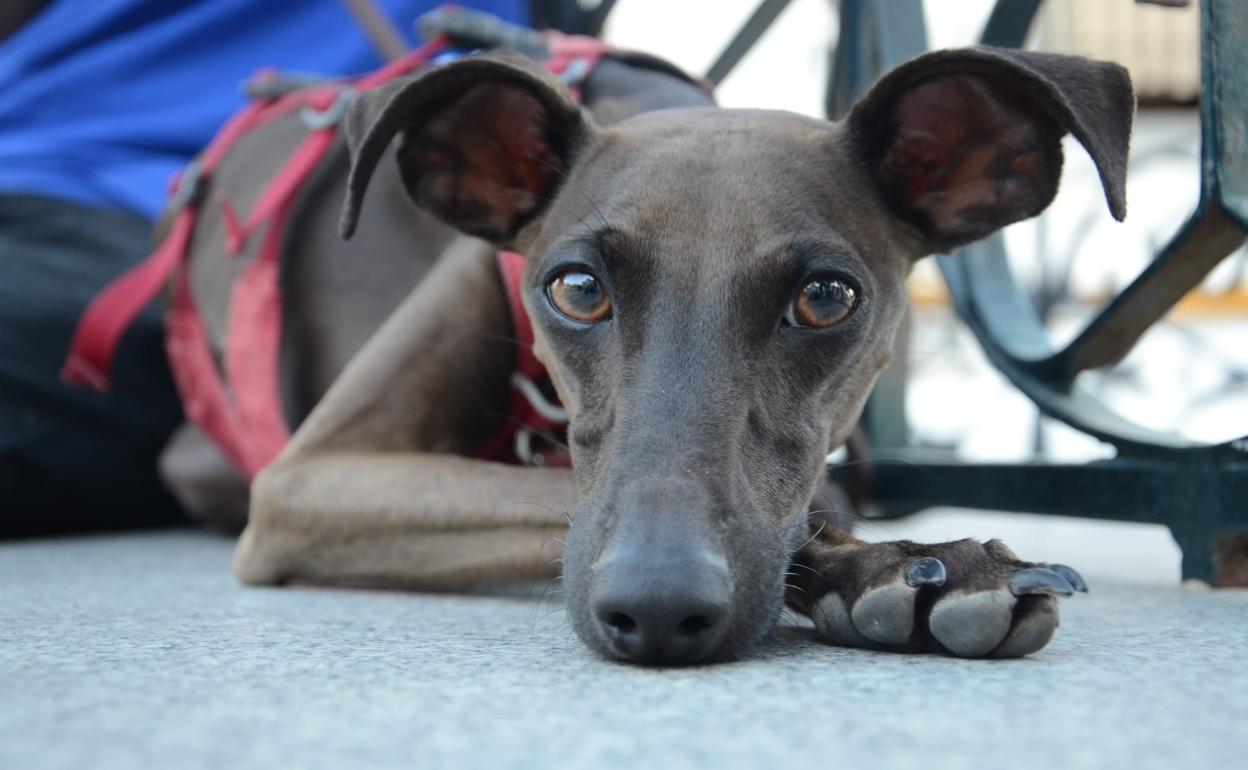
column 114, row 309
column 246, row 419
column 528, row 411
column 250, row 427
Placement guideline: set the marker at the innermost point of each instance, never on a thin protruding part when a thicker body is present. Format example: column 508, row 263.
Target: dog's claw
column 928, row 571
column 1040, row 580
column 1074, row 578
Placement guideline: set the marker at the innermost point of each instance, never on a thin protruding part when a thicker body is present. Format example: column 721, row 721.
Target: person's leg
column 72, row 459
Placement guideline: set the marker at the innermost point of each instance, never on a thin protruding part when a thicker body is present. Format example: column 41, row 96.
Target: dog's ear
column 964, row 142
column 485, row 142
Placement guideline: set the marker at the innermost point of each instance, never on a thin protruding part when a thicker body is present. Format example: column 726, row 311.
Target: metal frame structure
column 1199, row 491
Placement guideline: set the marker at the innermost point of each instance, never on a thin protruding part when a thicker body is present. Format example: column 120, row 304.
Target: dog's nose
column 666, row 613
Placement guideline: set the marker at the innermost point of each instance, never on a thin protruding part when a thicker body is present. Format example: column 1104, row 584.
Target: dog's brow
column 583, row 245
column 805, row 253
column 606, row 246
column 780, row 268
column 614, row 247
column 804, row 247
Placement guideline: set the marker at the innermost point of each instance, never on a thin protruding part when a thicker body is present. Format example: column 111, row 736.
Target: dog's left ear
column 964, row 142
column 485, row 142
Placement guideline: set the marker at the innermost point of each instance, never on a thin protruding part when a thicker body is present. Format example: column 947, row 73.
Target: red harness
column 240, row 407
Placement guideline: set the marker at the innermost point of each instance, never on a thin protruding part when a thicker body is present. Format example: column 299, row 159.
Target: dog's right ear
column 485, row 142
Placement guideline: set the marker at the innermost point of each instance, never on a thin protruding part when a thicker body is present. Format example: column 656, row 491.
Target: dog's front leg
column 375, row 488
column 404, row 520
column 964, row 597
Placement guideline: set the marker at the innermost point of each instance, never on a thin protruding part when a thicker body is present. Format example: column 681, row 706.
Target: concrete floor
column 140, row 651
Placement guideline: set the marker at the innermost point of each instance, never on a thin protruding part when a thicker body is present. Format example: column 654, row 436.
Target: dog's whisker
column 815, row 511
column 858, row 519
column 812, row 538
column 602, row 217
column 796, row 588
column 799, row 565
column 536, row 504
column 504, row 338
column 552, row 611
column 550, row 438
column 550, row 591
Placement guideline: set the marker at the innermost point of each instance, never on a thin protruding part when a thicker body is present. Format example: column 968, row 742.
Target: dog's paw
column 967, row 598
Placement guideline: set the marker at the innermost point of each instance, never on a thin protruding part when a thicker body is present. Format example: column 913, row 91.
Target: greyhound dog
column 713, row 293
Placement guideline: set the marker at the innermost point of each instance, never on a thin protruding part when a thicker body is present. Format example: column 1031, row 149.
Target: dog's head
column 715, row 291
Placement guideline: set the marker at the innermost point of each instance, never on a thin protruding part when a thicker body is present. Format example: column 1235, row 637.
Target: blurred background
column 1189, row 374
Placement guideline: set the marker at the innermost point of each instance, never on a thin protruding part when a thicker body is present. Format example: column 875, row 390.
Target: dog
column 713, row 293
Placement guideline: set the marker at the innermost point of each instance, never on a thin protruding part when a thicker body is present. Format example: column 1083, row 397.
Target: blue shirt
column 101, row 101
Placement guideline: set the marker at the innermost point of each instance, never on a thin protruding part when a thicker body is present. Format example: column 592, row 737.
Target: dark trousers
column 72, row 459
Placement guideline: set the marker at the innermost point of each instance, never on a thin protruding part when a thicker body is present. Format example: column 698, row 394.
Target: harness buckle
column 470, row 29
column 319, row 120
column 576, row 71
column 269, row 85
column 192, row 183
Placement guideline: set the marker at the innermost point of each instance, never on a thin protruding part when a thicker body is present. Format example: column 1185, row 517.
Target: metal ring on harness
column 319, row 120
column 524, row 448
column 551, row 411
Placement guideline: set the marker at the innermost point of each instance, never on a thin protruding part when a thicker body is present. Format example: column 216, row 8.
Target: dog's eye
column 579, row 296
column 821, row 303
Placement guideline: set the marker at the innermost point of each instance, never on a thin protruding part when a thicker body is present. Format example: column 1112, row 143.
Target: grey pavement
column 140, row 651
